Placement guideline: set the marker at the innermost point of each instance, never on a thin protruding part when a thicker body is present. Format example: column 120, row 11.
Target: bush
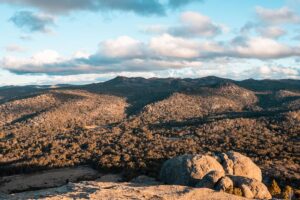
column 287, row 193
column 274, row 188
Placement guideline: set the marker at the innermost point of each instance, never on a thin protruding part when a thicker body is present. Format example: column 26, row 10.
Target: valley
column 132, row 125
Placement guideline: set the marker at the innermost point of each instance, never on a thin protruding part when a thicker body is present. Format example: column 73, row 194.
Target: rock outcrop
column 237, row 164
column 188, row 170
column 251, row 188
column 224, row 172
column 96, row 190
column 46, row 179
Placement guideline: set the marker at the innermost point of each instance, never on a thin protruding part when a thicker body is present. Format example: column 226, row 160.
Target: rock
column 237, row 164
column 110, row 178
column 210, row 179
column 144, row 180
column 174, row 171
column 188, row 169
column 204, row 171
column 251, row 188
column 247, row 192
column 96, row 190
column 226, row 163
column 46, row 179
column 225, row 184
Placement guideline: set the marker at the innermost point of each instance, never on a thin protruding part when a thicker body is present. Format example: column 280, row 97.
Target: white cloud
column 32, row 63
column 169, row 46
column 277, row 16
column 81, row 54
column 159, row 65
column 273, row 72
column 194, row 24
column 7, row 78
column 263, row 48
column 271, row 32
column 46, row 56
column 122, row 47
column 126, row 54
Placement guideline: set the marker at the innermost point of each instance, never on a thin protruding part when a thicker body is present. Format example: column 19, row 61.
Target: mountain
column 219, row 98
column 134, row 124
column 270, row 85
column 140, row 91
column 63, row 107
column 13, row 92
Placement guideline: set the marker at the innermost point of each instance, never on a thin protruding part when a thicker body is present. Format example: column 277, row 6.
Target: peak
column 118, row 79
column 211, row 77
column 124, row 78
column 121, row 77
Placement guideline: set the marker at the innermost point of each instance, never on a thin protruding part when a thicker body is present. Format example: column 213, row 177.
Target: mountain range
column 134, row 124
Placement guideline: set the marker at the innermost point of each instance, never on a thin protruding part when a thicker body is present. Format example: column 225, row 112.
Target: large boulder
column 251, row 188
column 227, row 172
column 237, row 164
column 188, row 169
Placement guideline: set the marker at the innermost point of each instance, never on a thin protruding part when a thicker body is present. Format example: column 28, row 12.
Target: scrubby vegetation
column 274, row 189
column 114, row 128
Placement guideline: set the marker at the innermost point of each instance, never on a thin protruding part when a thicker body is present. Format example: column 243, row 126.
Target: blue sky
column 52, row 42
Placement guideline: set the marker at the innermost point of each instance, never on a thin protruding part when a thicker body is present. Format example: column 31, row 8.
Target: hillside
column 218, row 99
column 132, row 125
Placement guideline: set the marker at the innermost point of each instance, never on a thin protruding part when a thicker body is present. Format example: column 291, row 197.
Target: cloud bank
column 141, row 7
column 126, row 54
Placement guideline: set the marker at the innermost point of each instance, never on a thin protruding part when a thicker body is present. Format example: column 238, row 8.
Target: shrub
column 287, row 193
column 274, row 188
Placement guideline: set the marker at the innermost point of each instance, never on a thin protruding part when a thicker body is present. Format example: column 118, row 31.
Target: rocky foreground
column 109, row 187
column 229, row 175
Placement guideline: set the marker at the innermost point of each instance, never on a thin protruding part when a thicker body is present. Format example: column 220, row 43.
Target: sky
column 85, row 41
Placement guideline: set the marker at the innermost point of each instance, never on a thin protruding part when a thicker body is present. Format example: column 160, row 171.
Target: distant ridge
column 162, row 87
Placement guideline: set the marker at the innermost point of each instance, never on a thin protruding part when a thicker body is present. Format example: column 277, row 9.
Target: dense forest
column 132, row 125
